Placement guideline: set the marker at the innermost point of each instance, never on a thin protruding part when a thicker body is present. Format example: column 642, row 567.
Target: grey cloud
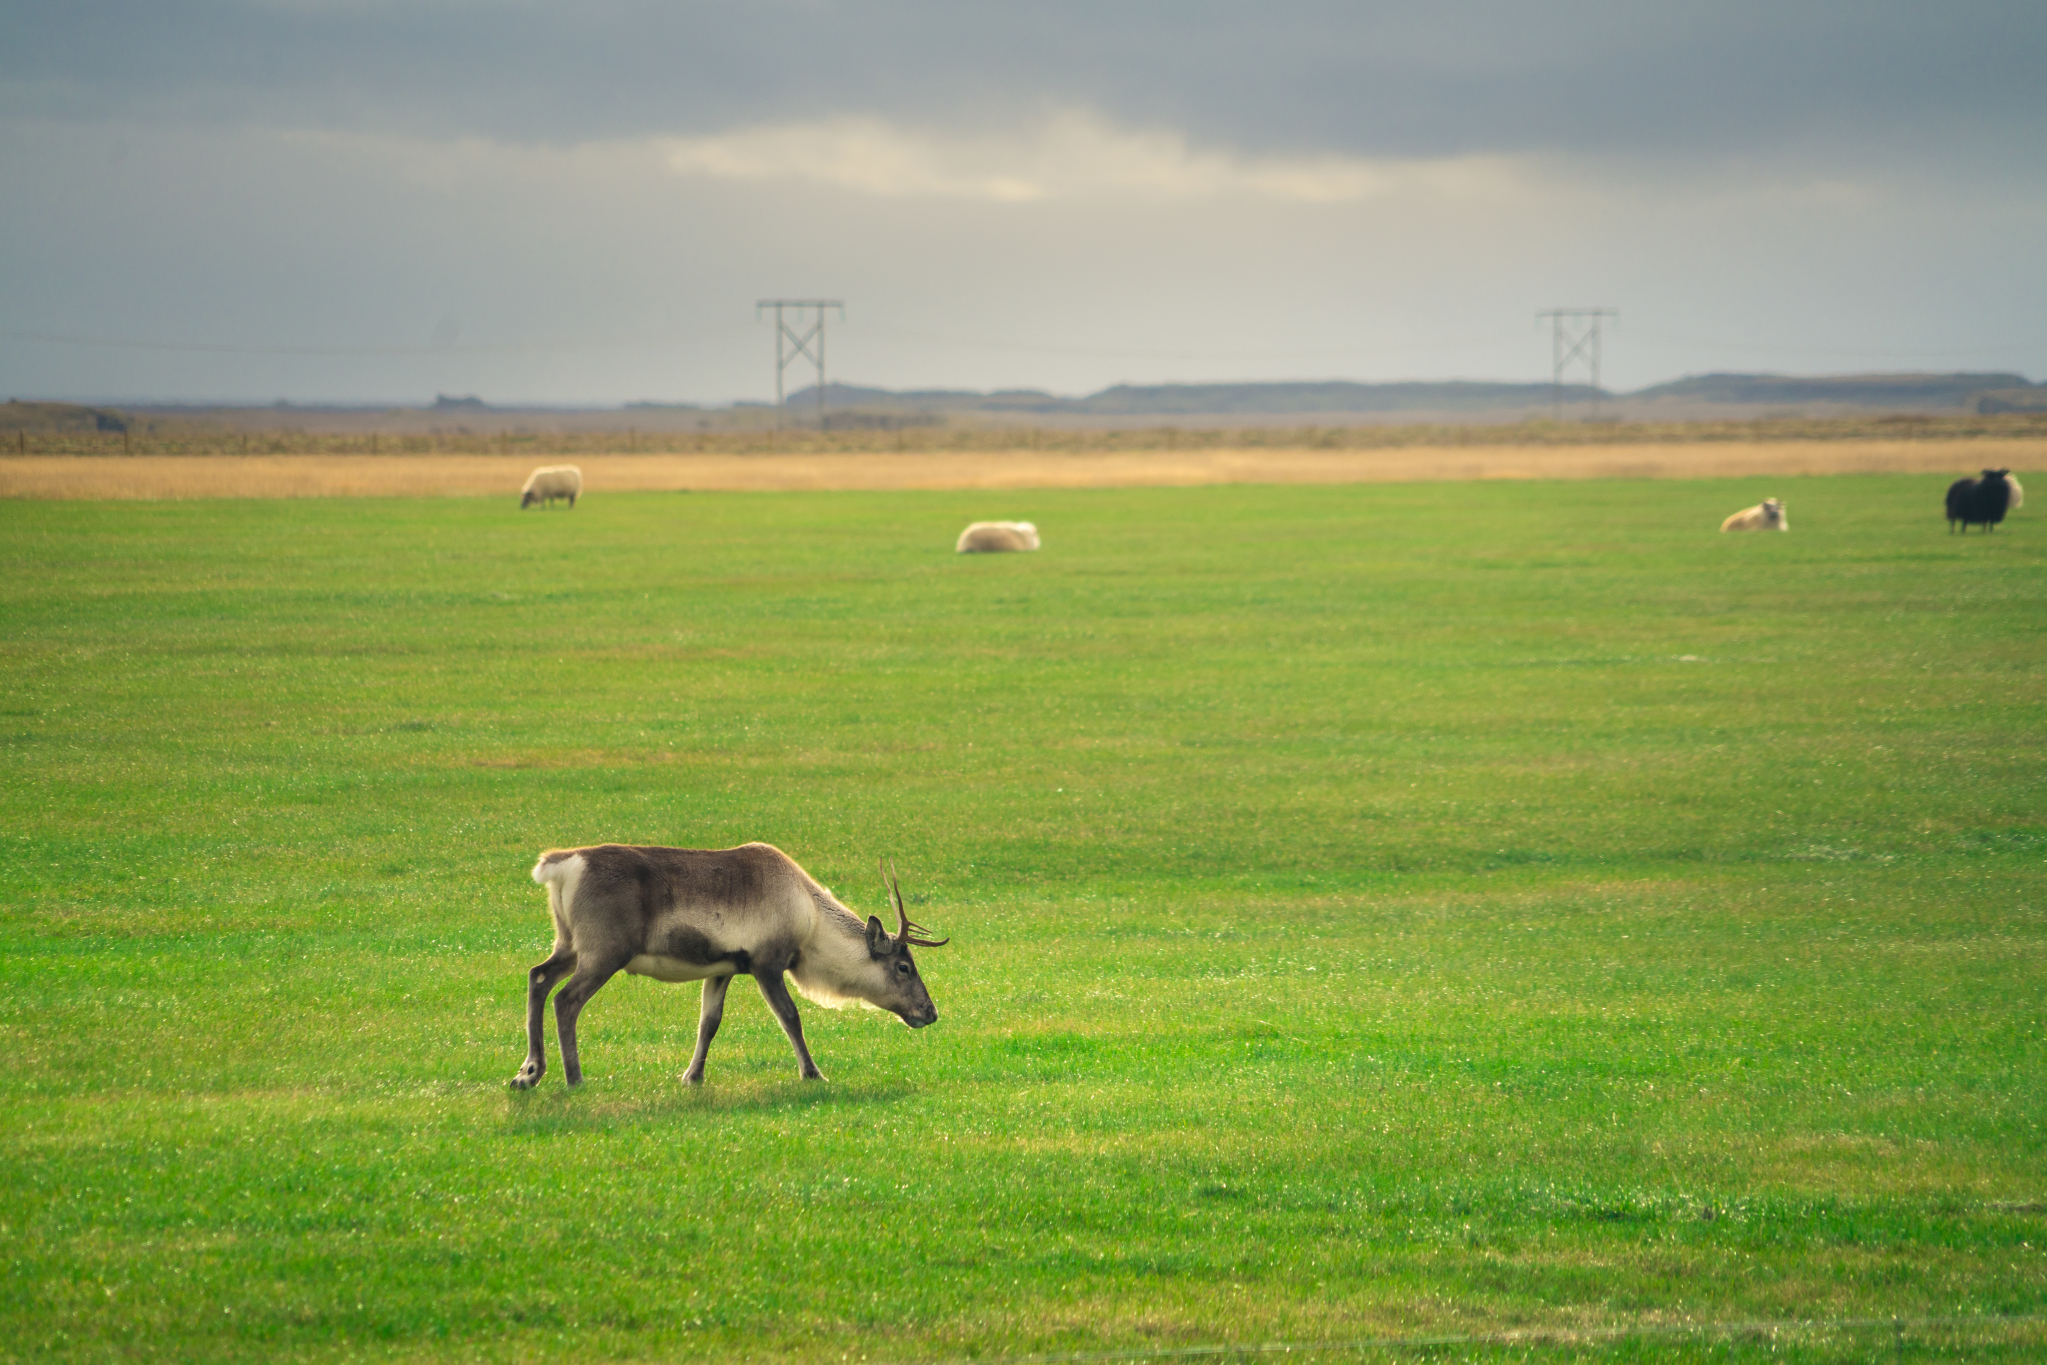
column 1589, row 78
column 172, row 242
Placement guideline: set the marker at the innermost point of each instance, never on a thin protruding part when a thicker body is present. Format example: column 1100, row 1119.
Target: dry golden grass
column 295, row 476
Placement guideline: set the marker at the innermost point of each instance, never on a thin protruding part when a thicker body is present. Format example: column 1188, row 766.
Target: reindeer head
column 902, row 990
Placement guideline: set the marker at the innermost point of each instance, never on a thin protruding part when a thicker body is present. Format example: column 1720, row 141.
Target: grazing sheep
column 549, row 482
column 988, row 537
column 2018, row 494
column 1767, row 515
column 1980, row 502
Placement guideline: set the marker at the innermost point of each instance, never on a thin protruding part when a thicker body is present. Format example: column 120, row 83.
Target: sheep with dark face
column 549, row 482
column 1982, row 501
column 1767, row 515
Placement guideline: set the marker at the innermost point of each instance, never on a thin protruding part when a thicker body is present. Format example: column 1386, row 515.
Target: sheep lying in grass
column 988, row 537
column 549, row 482
column 1982, row 502
column 1767, row 515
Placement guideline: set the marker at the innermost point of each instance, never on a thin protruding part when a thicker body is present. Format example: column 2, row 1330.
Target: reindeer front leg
column 707, row 1026
column 777, row 994
column 539, row 982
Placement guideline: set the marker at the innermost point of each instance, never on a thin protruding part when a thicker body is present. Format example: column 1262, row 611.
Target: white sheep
column 1767, row 515
column 988, row 537
column 549, row 482
column 2018, row 494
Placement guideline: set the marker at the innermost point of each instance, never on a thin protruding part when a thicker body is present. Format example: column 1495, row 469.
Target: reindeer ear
column 879, row 944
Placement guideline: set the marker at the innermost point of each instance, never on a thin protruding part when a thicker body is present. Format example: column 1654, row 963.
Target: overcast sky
column 366, row 201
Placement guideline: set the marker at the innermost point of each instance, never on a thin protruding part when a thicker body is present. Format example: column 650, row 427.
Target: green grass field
column 1379, row 914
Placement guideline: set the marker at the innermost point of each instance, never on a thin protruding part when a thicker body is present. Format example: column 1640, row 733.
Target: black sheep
column 1978, row 502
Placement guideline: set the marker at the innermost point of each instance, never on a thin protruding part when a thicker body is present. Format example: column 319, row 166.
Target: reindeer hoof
column 528, row 1077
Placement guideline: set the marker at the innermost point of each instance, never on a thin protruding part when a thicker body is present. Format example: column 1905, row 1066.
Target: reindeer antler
column 906, row 932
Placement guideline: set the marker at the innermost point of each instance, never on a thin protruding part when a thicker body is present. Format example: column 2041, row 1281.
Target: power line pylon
column 1574, row 335
column 793, row 341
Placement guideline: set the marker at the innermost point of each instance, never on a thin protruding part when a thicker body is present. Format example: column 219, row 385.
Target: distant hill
column 16, row 415
column 1965, row 392
column 2032, row 398
column 1327, row 403
column 1335, row 396
column 1179, row 400
column 838, row 396
column 1860, row 390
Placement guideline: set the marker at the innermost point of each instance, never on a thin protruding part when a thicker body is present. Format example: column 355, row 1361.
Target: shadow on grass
column 559, row 1110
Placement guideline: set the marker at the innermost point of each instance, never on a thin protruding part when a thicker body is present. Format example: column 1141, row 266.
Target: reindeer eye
column 903, row 967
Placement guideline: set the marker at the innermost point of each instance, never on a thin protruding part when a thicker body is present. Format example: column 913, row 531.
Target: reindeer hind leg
column 539, row 982
column 568, row 1004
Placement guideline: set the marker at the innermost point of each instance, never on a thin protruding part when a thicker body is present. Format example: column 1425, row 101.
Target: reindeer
column 694, row 914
